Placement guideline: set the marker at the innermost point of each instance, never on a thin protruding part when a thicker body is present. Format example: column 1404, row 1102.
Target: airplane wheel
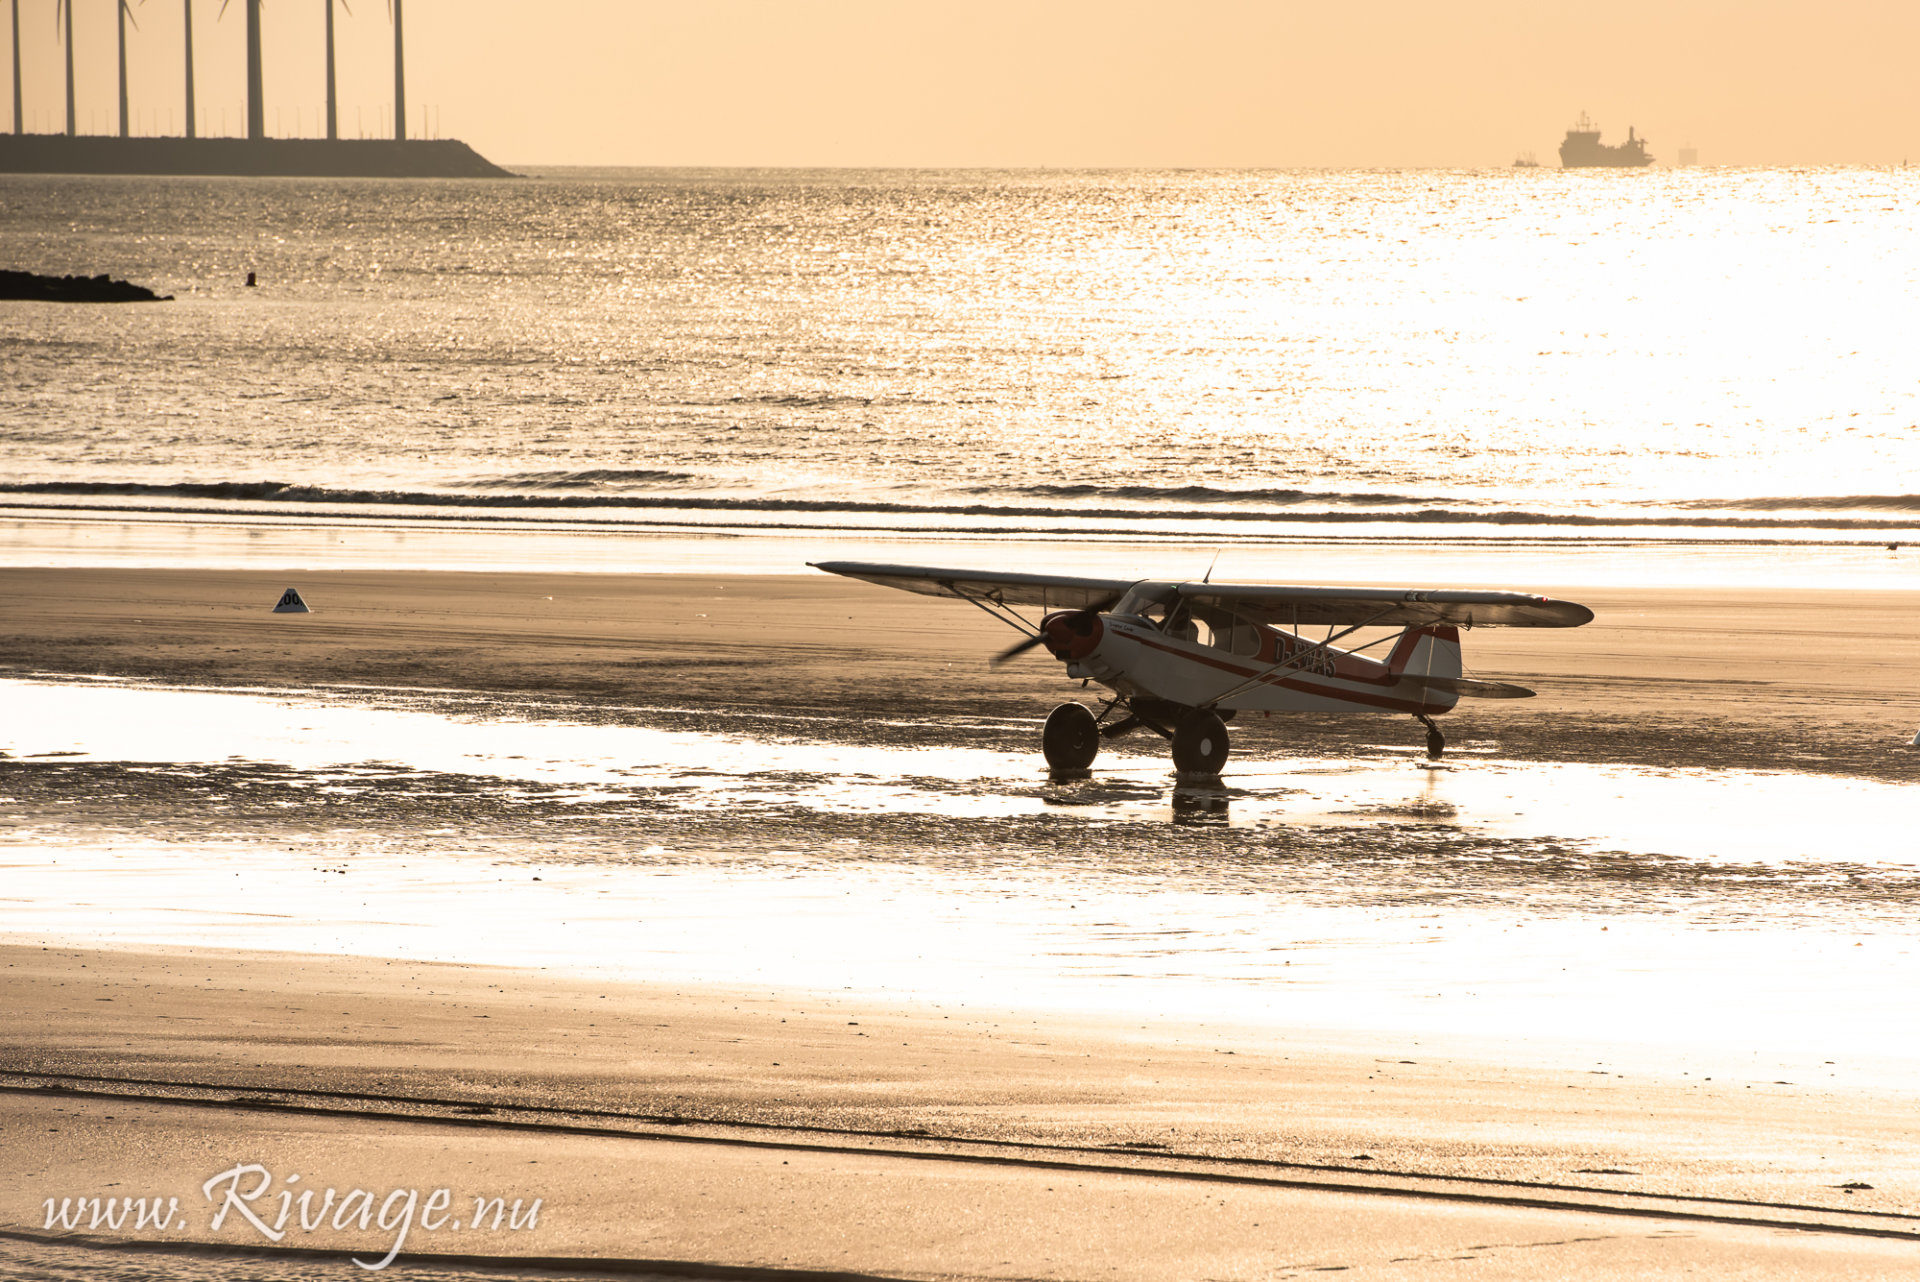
column 1436, row 742
column 1200, row 744
column 1072, row 738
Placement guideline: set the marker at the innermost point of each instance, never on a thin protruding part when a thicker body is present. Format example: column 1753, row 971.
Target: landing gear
column 1071, row 739
column 1436, row 742
column 1073, row 733
column 1200, row 743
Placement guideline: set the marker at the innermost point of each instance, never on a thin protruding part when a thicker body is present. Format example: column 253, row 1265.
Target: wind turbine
column 256, row 94
column 126, row 15
column 187, row 6
column 399, row 78
column 67, row 6
column 333, row 131
column 17, row 130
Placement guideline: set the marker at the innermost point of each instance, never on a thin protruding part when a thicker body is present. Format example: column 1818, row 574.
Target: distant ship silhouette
column 1582, row 149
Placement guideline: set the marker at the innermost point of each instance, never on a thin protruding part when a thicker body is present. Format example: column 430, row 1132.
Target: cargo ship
column 1582, row 149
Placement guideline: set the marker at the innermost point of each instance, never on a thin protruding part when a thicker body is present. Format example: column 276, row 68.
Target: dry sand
column 930, row 1118
column 821, row 1132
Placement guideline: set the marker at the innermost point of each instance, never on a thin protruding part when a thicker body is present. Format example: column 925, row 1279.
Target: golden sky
column 1037, row 82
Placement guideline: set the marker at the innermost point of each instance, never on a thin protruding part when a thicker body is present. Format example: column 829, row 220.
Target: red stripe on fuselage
column 1275, row 679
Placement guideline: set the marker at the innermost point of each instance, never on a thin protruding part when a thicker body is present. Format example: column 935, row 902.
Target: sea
column 1694, row 375
column 1216, row 356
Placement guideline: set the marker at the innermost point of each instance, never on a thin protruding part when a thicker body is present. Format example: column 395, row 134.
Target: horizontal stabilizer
column 1470, row 687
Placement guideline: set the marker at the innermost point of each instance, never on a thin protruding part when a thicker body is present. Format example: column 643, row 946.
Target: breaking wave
column 586, row 479
column 1206, row 494
column 560, row 492
column 1814, row 503
column 1212, row 494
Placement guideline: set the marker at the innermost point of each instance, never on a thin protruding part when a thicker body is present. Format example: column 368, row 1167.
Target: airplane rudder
column 1445, row 660
column 1431, row 651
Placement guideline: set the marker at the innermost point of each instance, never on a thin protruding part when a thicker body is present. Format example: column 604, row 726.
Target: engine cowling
column 1071, row 635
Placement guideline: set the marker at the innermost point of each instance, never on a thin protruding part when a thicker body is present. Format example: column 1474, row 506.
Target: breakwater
column 263, row 157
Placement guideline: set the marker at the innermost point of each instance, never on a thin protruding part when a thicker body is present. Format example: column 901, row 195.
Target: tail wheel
column 1200, row 744
column 1436, row 742
column 1072, row 738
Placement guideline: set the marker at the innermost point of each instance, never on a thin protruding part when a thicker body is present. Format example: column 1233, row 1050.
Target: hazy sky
column 1039, row 82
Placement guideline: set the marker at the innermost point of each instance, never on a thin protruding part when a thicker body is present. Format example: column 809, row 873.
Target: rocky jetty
column 74, row 289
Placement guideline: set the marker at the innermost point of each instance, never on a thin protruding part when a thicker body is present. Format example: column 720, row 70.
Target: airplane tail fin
column 1427, row 652
column 1429, row 660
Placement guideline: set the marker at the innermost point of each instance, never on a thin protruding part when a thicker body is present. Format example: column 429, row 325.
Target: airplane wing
column 1052, row 591
column 1388, row 607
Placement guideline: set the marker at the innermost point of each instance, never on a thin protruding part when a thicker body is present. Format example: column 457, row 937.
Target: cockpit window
column 1227, row 631
column 1149, row 601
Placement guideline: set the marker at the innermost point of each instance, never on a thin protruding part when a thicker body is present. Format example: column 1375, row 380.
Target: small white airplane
column 1183, row 658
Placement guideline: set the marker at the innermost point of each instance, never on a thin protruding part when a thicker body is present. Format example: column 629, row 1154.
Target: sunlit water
column 1676, row 353
column 1562, row 901
column 1735, row 817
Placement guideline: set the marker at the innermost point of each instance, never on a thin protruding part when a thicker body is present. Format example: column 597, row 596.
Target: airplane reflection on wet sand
column 1733, row 816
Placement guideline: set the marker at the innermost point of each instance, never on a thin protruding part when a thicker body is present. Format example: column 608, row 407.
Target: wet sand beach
column 1755, row 678
column 767, row 872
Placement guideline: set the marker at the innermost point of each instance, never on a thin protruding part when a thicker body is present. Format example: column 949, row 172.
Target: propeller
column 1017, row 649
column 1070, row 620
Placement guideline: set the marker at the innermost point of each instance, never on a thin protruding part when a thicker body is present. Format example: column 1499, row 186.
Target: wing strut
column 1006, row 614
column 998, row 610
column 1294, row 660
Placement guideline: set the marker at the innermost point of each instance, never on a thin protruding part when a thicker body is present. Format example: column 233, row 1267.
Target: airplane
column 1183, row 658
